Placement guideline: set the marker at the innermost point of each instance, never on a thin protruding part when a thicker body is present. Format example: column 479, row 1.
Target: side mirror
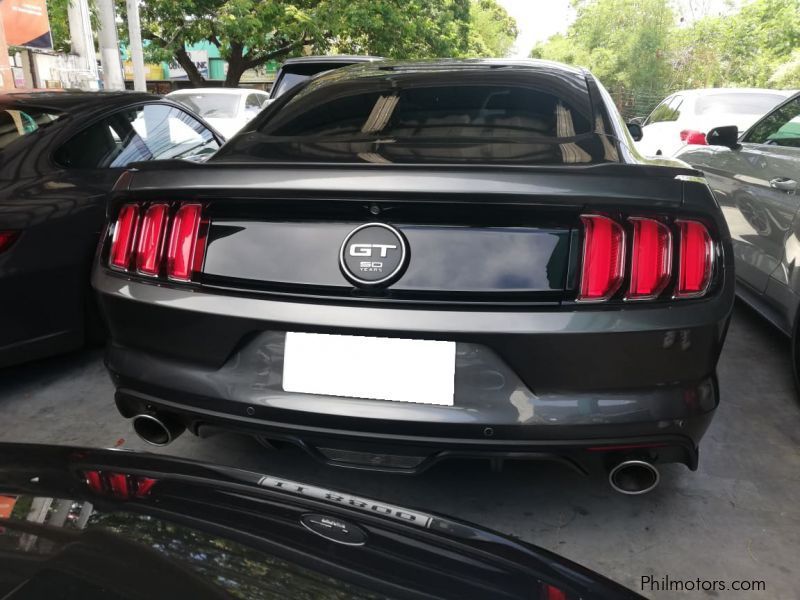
column 636, row 131
column 727, row 136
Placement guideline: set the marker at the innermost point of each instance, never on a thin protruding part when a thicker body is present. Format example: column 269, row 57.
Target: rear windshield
column 16, row 122
column 737, row 103
column 210, row 105
column 436, row 123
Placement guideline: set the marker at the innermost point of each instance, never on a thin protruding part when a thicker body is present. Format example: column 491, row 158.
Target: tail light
column 6, row 239
column 692, row 136
column 148, row 239
column 603, row 258
column 651, row 252
column 123, row 237
column 696, row 260
column 151, row 240
column 119, row 485
column 651, row 259
column 183, row 242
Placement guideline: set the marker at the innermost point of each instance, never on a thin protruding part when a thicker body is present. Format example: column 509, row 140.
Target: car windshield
column 211, row 105
column 732, row 103
column 16, row 122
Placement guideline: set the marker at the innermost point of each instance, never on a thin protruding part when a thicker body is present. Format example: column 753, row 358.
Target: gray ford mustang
column 754, row 178
column 400, row 263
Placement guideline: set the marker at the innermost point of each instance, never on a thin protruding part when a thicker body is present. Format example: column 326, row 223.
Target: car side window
column 661, row 112
column 253, row 102
column 780, row 128
column 149, row 132
column 675, row 108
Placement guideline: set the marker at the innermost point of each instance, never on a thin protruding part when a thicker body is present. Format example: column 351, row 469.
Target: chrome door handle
column 781, row 183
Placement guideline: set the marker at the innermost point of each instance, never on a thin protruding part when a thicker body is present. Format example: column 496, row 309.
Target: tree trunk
column 185, row 61
column 236, row 65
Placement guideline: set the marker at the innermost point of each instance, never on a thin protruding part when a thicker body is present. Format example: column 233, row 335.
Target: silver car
column 754, row 178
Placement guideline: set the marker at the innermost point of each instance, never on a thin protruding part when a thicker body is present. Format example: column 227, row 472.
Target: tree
column 621, row 41
column 248, row 33
column 493, row 30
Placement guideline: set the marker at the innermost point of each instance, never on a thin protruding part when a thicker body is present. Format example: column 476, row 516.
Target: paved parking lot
column 737, row 518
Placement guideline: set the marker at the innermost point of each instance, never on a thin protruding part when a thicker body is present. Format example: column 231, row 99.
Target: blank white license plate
column 420, row 371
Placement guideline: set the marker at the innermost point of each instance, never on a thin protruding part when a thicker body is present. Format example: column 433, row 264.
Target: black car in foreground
column 78, row 524
column 396, row 264
column 60, row 154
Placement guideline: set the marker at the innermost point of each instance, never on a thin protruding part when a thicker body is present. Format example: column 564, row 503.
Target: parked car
column 754, row 178
column 60, row 154
column 225, row 109
column 684, row 118
column 402, row 263
column 297, row 70
column 82, row 523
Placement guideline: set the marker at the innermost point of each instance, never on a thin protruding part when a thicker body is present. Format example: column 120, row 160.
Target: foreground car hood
column 116, row 524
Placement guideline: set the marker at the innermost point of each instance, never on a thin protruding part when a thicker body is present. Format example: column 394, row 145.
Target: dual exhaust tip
column 630, row 477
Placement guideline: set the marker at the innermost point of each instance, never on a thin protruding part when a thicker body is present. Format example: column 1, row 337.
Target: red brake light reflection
column 6, row 239
column 651, row 259
column 603, row 258
column 182, row 248
column 123, row 237
column 696, row 260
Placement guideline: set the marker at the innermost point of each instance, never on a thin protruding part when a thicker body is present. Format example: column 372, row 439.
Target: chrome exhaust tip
column 634, row 477
column 157, row 430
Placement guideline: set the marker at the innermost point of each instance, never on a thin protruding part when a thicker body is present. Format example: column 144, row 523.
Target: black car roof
column 73, row 102
column 355, row 58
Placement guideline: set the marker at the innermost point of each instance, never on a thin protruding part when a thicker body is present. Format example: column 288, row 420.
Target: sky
column 539, row 19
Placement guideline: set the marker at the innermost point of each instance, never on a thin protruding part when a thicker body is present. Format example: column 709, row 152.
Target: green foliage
column 59, row 26
column 640, row 45
column 493, row 31
column 787, row 75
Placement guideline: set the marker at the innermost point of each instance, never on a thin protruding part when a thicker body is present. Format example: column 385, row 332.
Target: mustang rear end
column 401, row 263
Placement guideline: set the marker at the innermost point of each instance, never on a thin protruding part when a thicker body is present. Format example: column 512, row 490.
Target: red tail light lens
column 6, row 239
column 550, row 592
column 119, row 485
column 651, row 259
column 151, row 240
column 182, row 249
column 691, row 136
column 603, row 258
column 696, row 260
column 123, row 237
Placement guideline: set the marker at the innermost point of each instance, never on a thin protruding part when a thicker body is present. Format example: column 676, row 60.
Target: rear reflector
column 151, row 240
column 603, row 258
column 123, row 238
column 696, row 260
column 182, row 248
column 651, row 259
column 6, row 239
column 691, row 136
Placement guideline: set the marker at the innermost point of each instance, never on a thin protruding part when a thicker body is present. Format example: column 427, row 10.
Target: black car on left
column 60, row 154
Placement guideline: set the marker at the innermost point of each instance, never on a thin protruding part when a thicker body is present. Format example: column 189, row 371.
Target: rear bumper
column 574, row 385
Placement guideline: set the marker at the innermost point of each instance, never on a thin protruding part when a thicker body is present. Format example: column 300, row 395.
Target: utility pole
column 6, row 74
column 80, row 33
column 135, row 35
column 113, row 78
